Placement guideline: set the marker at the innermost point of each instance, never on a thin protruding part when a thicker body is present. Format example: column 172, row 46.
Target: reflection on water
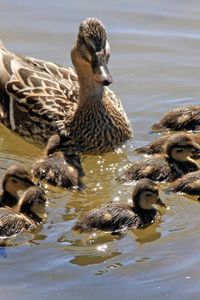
column 155, row 65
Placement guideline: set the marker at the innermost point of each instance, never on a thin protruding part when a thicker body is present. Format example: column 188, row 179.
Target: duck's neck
column 33, row 216
column 8, row 199
column 91, row 92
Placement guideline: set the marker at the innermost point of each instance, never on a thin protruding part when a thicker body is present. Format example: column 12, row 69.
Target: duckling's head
column 63, row 142
column 15, row 179
column 92, row 50
column 145, row 194
column 32, row 202
column 181, row 146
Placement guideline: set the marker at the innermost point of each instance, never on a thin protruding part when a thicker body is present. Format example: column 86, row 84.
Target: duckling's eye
column 179, row 150
column 149, row 194
column 14, row 180
column 40, row 201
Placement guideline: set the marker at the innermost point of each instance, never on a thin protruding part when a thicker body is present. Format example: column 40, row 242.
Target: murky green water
column 155, row 64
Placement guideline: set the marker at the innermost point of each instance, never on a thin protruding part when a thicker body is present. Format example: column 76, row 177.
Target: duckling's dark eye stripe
column 151, row 191
column 22, row 179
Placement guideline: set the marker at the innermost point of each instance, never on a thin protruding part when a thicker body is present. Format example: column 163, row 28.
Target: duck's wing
column 45, row 91
column 53, row 69
column 12, row 222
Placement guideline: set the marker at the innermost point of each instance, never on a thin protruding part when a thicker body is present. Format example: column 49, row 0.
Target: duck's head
column 145, row 194
column 15, row 179
column 181, row 146
column 63, row 142
column 32, row 202
column 92, row 50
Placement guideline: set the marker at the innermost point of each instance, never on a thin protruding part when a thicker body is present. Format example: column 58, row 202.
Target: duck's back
column 12, row 222
column 158, row 168
column 37, row 98
column 181, row 118
column 189, row 184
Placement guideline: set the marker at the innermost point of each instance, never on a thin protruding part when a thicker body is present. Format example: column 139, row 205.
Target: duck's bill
column 102, row 75
column 161, row 203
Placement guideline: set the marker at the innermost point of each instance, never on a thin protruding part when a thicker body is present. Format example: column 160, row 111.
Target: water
column 155, row 65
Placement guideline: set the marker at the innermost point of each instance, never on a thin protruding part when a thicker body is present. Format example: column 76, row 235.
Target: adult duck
column 40, row 98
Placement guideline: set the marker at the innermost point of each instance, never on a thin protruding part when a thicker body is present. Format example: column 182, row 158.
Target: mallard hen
column 117, row 217
column 39, row 98
column 61, row 165
column 173, row 164
column 16, row 178
column 30, row 215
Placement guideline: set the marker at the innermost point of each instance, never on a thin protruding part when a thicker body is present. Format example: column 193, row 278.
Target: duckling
column 158, row 145
column 40, row 98
column 30, row 214
column 181, row 118
column 188, row 184
column 118, row 217
column 15, row 179
column 155, row 147
column 167, row 167
column 61, row 165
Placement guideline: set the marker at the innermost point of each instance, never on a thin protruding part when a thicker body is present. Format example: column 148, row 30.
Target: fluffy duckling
column 15, row 179
column 181, row 118
column 173, row 164
column 118, row 217
column 188, row 184
column 30, row 214
column 158, row 145
column 155, row 147
column 61, row 165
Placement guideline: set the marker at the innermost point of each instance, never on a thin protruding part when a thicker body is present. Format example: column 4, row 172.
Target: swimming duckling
column 158, row 145
column 61, row 165
column 175, row 163
column 15, row 179
column 119, row 217
column 181, row 118
column 155, row 147
column 30, row 214
column 188, row 184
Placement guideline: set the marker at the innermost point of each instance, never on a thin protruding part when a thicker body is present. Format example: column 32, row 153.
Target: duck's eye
column 179, row 150
column 14, row 180
column 149, row 194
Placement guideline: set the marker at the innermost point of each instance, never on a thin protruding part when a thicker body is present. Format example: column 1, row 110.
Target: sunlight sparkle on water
column 102, row 248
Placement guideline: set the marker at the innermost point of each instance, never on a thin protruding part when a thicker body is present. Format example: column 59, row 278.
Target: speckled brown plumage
column 158, row 145
column 181, row 118
column 165, row 167
column 39, row 98
column 14, row 222
column 189, row 184
column 61, row 165
column 116, row 217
